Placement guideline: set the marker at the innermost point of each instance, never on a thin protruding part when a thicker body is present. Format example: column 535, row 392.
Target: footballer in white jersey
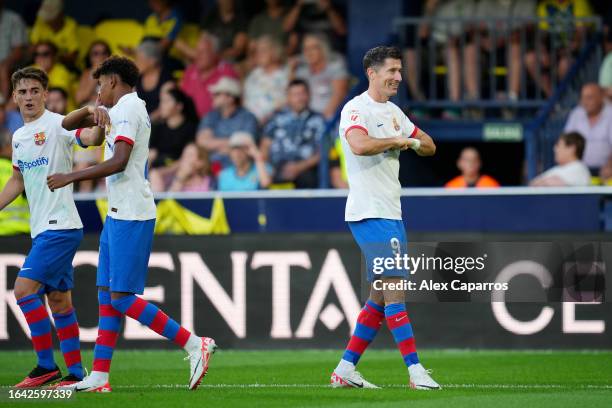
column 125, row 243
column 42, row 147
column 374, row 131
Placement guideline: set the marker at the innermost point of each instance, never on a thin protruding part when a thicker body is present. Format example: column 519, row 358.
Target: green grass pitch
column 299, row 378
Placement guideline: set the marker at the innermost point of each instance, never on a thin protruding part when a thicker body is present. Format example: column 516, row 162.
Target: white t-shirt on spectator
column 574, row 174
column 374, row 187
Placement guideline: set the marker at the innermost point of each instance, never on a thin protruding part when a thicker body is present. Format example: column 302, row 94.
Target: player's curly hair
column 121, row 66
column 376, row 56
column 30, row 73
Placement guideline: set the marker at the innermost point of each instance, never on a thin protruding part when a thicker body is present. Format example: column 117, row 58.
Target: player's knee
column 59, row 302
column 23, row 289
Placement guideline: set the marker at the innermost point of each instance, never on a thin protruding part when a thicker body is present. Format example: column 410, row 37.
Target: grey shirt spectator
column 12, row 33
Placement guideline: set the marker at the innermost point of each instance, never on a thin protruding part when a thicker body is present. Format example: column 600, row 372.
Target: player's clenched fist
column 100, row 115
column 403, row 143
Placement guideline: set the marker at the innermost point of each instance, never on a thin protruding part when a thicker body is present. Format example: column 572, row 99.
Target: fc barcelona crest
column 396, row 125
column 39, row 138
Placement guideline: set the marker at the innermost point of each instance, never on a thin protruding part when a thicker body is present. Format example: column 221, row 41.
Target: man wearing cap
column 226, row 118
column 248, row 170
column 52, row 25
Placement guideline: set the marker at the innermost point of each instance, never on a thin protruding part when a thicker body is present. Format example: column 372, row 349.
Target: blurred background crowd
column 245, row 95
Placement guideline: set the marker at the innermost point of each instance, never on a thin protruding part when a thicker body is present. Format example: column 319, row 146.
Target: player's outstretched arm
column 427, row 147
column 363, row 145
column 85, row 117
column 13, row 188
column 116, row 164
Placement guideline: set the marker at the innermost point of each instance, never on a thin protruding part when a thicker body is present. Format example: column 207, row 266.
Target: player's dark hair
column 30, row 73
column 376, row 56
column 123, row 67
column 47, row 44
column 299, row 82
column 574, row 139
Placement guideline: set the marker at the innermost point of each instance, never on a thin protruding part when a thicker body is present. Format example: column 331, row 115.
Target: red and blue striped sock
column 108, row 331
column 40, row 328
column 368, row 323
column 68, row 334
column 399, row 324
column 151, row 316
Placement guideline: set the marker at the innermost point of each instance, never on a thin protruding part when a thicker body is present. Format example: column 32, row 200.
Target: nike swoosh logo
column 194, row 371
column 426, row 386
column 354, row 383
column 25, row 269
column 397, row 319
column 380, row 124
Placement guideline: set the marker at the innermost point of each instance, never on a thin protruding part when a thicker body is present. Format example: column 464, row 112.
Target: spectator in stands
column 320, row 16
column 265, row 87
column 269, row 23
column 570, row 170
column 52, row 25
column 57, row 100
column 469, row 165
column 248, row 170
column 593, row 120
column 206, row 69
column 413, row 65
column 494, row 38
column 164, row 24
column 226, row 118
column 45, row 58
column 228, row 24
column 10, row 118
column 325, row 73
column 605, row 76
column 13, row 41
column 565, row 36
column 194, row 171
column 153, row 74
column 87, row 92
column 292, row 137
column 449, row 36
column 169, row 138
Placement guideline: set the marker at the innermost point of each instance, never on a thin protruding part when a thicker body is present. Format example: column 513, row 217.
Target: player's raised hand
column 57, row 180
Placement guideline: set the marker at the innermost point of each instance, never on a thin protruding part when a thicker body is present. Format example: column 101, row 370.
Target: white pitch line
column 454, row 386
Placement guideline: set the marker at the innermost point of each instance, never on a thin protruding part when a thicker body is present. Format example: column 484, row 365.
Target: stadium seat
column 120, row 34
column 189, row 34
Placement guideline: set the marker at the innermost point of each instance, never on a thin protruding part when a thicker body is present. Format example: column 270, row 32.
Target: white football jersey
column 374, row 187
column 42, row 148
column 129, row 193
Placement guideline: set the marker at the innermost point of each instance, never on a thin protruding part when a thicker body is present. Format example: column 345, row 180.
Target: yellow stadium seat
column 190, row 33
column 120, row 34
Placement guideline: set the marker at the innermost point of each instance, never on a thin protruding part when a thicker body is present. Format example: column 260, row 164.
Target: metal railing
column 497, row 42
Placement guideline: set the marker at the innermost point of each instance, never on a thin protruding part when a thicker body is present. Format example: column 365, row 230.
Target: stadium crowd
column 241, row 103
